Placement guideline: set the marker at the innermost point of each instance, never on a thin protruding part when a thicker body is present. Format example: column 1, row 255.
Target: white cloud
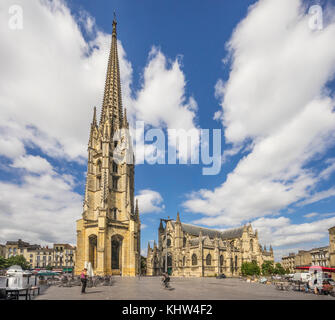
column 34, row 164
column 318, row 196
column 311, row 215
column 42, row 209
column 275, row 102
column 149, row 201
column 162, row 102
column 11, row 147
column 284, row 236
column 51, row 86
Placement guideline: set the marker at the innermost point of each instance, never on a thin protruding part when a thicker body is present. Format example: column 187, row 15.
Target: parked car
column 221, row 276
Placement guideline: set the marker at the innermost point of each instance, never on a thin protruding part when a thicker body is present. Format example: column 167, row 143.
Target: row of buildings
column 323, row 256
column 60, row 256
column 193, row 251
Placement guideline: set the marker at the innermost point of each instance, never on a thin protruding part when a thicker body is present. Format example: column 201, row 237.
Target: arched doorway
column 116, row 255
column 92, row 252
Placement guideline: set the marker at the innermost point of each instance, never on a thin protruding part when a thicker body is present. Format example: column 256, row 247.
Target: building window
column 168, row 242
column 115, row 182
column 221, row 260
column 114, row 167
column 99, row 167
column 184, row 242
column 208, row 260
column 184, row 261
column 194, row 259
column 251, row 245
column 114, row 213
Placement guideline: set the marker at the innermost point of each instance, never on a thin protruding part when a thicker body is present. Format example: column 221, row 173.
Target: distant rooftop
column 211, row 233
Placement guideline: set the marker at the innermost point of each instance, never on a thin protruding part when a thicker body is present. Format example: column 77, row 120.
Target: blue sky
column 261, row 74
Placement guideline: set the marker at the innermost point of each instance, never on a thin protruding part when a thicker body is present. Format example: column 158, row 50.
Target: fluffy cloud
column 42, row 209
column 285, row 236
column 149, row 201
column 161, row 102
column 51, row 77
column 276, row 104
column 51, row 86
column 34, row 164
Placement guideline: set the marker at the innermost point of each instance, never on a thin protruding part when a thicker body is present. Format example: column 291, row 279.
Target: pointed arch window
column 208, row 260
column 184, row 242
column 115, row 167
column 194, row 259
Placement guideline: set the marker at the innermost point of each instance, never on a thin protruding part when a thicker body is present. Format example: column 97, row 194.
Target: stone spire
column 125, row 123
column 93, row 125
column 136, row 208
column 112, row 102
column 178, row 218
column 94, row 121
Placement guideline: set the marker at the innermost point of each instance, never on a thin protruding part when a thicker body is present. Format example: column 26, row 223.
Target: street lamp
column 166, row 247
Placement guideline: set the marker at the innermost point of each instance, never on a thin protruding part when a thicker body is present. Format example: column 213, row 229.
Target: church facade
column 192, row 251
column 108, row 234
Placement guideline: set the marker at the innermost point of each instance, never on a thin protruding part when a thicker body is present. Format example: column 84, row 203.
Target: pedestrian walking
column 83, row 279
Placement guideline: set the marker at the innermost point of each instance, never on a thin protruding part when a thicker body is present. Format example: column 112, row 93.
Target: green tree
column 48, row 267
column 279, row 269
column 3, row 263
column 17, row 260
column 250, row 268
column 268, row 268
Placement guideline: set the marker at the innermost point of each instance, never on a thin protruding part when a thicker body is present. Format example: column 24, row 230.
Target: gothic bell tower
column 108, row 234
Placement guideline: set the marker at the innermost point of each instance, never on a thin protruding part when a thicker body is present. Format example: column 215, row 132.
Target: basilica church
column 108, row 234
column 192, row 251
column 109, row 231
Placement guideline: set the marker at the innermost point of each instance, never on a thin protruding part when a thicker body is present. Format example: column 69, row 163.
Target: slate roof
column 211, row 233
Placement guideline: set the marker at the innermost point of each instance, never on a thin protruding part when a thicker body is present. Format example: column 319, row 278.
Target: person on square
column 83, row 279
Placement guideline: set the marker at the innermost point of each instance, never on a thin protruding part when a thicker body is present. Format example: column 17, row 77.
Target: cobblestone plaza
column 150, row 288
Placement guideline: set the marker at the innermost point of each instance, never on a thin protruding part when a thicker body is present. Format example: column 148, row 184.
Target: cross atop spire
column 112, row 102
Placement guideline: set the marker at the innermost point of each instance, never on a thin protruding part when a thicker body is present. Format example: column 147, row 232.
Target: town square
column 145, row 158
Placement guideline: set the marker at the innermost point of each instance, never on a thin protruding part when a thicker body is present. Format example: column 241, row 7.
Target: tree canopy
column 14, row 260
column 250, row 268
